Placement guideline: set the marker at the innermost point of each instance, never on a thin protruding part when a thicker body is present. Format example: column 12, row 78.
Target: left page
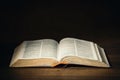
column 45, row 48
column 35, row 53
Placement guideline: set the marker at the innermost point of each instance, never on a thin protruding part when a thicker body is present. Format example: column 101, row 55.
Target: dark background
column 94, row 20
column 28, row 20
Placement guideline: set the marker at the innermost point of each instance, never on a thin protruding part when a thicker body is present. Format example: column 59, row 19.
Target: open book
column 49, row 53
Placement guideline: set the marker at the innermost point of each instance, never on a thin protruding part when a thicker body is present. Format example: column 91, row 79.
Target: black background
column 27, row 20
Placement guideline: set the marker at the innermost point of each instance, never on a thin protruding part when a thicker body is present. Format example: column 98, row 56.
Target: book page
column 85, row 49
column 45, row 48
column 103, row 56
column 32, row 49
column 49, row 49
column 76, row 47
column 66, row 48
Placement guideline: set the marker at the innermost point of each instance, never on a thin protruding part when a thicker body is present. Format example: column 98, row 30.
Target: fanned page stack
column 50, row 53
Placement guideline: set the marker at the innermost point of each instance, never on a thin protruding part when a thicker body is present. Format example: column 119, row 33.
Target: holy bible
column 50, row 53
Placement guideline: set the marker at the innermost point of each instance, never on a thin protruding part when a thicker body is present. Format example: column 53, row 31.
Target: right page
column 66, row 48
column 85, row 49
column 76, row 47
column 81, row 52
